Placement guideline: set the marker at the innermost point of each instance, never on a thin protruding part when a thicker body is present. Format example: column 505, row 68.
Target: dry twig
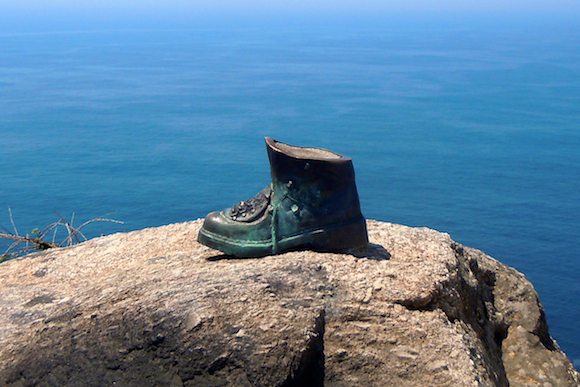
column 36, row 240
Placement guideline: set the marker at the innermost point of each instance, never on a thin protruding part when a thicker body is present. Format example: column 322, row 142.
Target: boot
column 312, row 204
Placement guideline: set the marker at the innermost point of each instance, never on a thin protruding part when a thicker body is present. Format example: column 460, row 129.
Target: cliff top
column 154, row 307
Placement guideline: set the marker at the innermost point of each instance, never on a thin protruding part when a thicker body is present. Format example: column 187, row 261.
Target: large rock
column 155, row 308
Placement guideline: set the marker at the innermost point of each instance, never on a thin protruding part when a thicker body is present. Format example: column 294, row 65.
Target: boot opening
column 303, row 153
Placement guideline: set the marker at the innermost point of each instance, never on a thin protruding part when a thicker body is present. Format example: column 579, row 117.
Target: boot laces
column 250, row 209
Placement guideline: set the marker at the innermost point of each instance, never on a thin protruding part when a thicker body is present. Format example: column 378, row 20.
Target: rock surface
column 156, row 308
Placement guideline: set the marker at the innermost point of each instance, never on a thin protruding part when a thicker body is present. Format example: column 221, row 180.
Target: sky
column 27, row 14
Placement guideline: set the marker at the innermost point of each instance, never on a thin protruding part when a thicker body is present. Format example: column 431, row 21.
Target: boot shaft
column 312, row 187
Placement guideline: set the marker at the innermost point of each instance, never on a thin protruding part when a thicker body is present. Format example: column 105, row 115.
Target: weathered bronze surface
column 312, row 204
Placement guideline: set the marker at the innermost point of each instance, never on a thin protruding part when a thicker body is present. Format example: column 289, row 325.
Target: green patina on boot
column 312, row 204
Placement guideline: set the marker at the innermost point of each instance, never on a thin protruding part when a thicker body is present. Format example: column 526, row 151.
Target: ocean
column 469, row 129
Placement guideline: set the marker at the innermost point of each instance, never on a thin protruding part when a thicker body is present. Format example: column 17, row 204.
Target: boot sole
column 338, row 238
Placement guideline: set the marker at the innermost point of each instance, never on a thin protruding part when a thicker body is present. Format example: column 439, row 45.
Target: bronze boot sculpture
column 312, row 204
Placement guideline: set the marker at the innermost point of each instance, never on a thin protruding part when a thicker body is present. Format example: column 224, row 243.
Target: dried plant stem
column 37, row 242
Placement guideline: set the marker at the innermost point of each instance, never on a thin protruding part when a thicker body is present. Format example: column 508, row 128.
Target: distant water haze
column 39, row 15
column 297, row 6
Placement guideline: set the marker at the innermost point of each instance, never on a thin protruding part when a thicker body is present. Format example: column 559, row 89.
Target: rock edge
column 155, row 308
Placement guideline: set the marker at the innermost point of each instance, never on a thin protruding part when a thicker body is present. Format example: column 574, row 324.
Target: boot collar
column 304, row 153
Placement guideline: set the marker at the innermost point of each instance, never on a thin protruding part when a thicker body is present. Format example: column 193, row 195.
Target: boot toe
column 219, row 223
column 236, row 238
column 214, row 222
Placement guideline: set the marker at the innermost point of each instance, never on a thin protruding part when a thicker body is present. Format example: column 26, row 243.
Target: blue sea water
column 472, row 130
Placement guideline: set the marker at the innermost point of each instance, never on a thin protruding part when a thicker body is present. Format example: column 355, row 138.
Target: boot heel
column 341, row 238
